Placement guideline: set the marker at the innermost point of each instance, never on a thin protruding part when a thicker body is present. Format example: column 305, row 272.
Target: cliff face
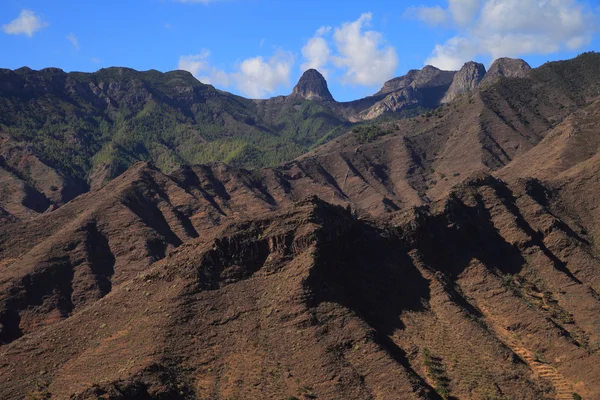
column 465, row 80
column 428, row 77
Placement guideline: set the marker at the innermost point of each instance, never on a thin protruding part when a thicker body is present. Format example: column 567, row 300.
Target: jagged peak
column 312, row 86
column 428, row 76
column 465, row 80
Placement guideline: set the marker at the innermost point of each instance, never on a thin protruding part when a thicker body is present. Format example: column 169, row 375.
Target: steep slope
column 418, row 89
column 219, row 282
column 90, row 127
column 382, row 167
column 75, row 131
column 93, row 126
column 314, row 303
column 465, row 80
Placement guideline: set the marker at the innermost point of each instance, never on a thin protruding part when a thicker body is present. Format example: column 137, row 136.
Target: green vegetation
column 577, row 78
column 369, row 133
column 577, row 397
column 117, row 116
column 437, row 372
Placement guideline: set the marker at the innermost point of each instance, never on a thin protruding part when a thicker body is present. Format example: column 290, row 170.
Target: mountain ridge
column 452, row 254
column 101, row 126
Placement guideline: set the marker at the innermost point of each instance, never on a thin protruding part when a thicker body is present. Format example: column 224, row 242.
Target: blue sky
column 259, row 48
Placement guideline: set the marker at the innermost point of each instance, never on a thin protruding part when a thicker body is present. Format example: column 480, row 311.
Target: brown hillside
column 449, row 256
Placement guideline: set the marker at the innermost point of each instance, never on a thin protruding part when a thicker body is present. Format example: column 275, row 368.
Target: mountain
column 312, row 86
column 428, row 77
column 508, row 67
column 88, row 128
column 465, row 80
column 448, row 255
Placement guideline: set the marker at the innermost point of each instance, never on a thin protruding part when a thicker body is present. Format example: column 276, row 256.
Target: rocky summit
column 448, row 253
column 465, row 80
column 312, row 86
column 508, row 67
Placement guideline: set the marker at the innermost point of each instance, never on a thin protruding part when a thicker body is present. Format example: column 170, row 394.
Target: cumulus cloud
column 363, row 54
column 27, row 23
column 200, row 67
column 453, row 54
column 73, row 39
column 512, row 28
column 316, row 52
column 359, row 55
column 256, row 77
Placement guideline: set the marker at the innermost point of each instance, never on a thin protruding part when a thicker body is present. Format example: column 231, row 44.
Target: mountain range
column 63, row 133
column 437, row 240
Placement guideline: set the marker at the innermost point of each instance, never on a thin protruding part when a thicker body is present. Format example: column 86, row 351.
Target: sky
column 259, row 48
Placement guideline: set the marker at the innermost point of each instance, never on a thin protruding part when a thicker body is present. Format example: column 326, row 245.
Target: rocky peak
column 428, row 77
column 312, row 86
column 509, row 67
column 465, row 80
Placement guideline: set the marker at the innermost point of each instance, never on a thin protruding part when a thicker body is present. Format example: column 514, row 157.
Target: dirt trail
column 562, row 387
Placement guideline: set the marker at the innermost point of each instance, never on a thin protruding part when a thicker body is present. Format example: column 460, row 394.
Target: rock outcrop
column 312, row 86
column 465, row 80
column 428, row 77
column 508, row 67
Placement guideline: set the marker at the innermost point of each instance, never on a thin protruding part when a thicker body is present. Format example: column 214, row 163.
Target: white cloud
column 316, row 52
column 453, row 54
column 363, row 54
column 258, row 77
column 255, row 77
column 27, row 23
column 201, row 68
column 95, row 60
column 73, row 39
column 168, row 26
column 513, row 28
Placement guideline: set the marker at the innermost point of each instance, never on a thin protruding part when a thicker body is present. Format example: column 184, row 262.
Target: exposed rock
column 428, row 77
column 465, row 80
column 395, row 101
column 312, row 86
column 508, row 67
